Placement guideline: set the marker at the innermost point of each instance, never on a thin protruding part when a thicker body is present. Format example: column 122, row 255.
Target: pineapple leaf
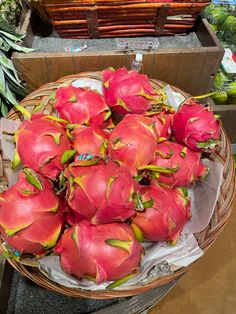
column 16, row 37
column 4, row 108
column 17, row 47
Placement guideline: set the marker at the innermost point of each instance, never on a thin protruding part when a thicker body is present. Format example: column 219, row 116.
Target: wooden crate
column 112, row 18
column 228, row 117
column 189, row 69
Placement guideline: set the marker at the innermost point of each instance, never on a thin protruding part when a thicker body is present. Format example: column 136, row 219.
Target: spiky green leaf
column 25, row 112
column 56, row 137
column 33, row 179
column 148, row 204
column 120, row 281
column 4, row 108
column 68, row 154
column 159, row 169
column 137, row 232
column 16, row 47
column 121, row 244
column 16, row 37
column 16, row 160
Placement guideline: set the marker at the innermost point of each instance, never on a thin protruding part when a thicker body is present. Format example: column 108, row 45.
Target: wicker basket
column 107, row 18
column 205, row 238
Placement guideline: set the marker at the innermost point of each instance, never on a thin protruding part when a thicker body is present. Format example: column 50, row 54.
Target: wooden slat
column 228, row 117
column 210, row 67
column 59, row 65
column 189, row 71
column 165, row 65
column 33, row 69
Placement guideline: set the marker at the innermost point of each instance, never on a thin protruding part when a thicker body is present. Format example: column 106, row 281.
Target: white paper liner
column 184, row 253
column 89, row 82
column 204, row 197
column 173, row 98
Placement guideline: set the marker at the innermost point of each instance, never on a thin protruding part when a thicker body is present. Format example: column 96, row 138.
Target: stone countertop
column 56, row 44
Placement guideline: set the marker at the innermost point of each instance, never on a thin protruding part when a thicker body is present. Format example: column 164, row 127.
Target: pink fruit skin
column 37, row 147
column 133, row 142
column 84, row 252
column 163, row 122
column 189, row 164
column 103, row 192
column 31, row 216
column 166, row 218
column 128, row 87
column 81, row 106
column 193, row 124
column 90, row 140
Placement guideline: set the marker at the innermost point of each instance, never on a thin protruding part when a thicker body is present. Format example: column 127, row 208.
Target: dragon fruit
column 100, row 192
column 100, row 253
column 167, row 213
column 129, row 92
column 30, row 218
column 176, row 165
column 133, row 142
column 196, row 127
column 163, row 122
column 90, row 140
column 82, row 106
column 42, row 145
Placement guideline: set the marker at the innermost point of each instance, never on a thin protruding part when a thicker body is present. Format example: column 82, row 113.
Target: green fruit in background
column 218, row 15
column 219, row 81
column 214, row 27
column 228, row 29
column 220, row 98
column 231, row 92
column 208, row 11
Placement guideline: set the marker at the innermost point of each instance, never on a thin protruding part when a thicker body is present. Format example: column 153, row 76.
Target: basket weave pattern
column 42, row 97
column 119, row 18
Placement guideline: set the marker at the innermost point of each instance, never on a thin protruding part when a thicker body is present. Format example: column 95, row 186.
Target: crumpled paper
column 183, row 253
column 204, row 197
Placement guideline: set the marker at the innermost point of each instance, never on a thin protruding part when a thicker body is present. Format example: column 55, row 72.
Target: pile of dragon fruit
column 104, row 174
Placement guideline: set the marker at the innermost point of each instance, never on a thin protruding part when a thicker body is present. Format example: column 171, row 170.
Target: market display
column 104, row 174
column 222, row 19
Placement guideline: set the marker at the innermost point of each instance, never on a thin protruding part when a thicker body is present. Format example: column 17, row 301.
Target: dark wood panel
column 189, row 71
column 58, row 66
column 228, row 117
column 165, row 66
column 33, row 70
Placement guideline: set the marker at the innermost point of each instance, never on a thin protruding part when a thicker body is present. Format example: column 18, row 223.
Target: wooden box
column 101, row 19
column 228, row 117
column 189, row 69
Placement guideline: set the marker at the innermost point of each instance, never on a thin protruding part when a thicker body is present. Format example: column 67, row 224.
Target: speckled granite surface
column 55, row 44
column 27, row 298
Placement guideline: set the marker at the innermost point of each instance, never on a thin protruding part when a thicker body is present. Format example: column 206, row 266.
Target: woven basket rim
column 205, row 238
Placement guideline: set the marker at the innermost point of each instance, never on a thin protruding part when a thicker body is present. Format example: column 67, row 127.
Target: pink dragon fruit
column 100, row 253
column 129, row 92
column 100, row 192
column 90, row 140
column 30, row 219
column 42, row 145
column 166, row 214
column 196, row 127
column 133, row 142
column 163, row 122
column 82, row 106
column 176, row 165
